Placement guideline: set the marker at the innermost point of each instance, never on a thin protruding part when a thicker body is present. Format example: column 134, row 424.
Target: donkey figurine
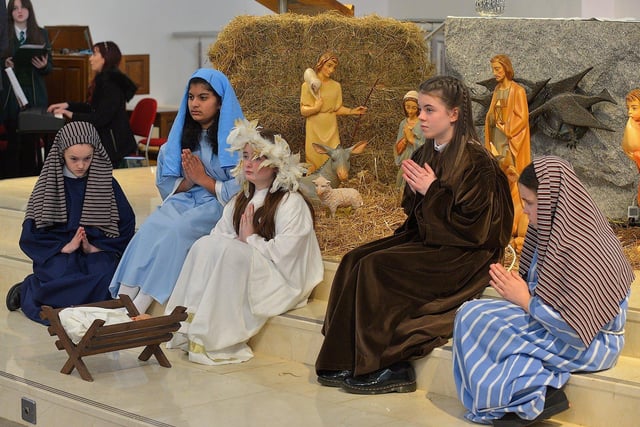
column 335, row 169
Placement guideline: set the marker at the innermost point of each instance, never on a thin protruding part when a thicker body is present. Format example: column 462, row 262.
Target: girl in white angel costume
column 260, row 260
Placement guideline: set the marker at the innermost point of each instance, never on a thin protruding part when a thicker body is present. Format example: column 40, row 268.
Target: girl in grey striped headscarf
column 47, row 203
column 78, row 223
column 565, row 312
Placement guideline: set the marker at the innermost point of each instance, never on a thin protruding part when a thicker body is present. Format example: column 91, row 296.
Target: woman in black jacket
column 109, row 93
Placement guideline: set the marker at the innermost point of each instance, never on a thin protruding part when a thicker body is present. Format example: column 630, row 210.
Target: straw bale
column 379, row 217
column 265, row 58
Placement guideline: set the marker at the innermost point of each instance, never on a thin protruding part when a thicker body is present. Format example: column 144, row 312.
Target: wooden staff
column 353, row 135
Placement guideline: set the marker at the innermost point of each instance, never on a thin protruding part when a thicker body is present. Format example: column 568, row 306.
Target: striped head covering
column 582, row 272
column 47, row 204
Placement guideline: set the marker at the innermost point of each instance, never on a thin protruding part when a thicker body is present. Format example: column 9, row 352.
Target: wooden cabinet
column 69, row 80
column 72, row 75
column 164, row 120
column 137, row 68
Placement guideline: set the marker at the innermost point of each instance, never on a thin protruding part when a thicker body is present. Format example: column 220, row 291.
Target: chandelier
column 490, row 7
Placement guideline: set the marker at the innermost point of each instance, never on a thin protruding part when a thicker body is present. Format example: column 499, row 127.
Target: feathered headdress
column 277, row 155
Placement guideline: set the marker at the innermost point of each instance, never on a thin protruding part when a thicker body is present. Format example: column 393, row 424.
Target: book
column 24, row 53
column 17, row 89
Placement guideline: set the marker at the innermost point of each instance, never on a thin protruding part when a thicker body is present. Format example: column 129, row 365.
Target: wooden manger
column 103, row 339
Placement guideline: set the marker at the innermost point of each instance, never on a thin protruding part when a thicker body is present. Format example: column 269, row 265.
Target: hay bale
column 379, row 217
column 265, row 58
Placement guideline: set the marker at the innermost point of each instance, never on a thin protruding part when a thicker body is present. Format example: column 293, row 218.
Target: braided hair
column 455, row 95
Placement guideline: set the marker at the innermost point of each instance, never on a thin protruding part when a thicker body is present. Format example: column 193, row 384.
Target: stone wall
column 555, row 49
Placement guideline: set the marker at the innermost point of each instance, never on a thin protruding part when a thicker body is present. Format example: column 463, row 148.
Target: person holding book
column 19, row 158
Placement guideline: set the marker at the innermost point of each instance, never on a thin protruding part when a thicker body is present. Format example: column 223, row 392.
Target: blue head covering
column 229, row 112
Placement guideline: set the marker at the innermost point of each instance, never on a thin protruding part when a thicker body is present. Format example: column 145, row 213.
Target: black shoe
column 13, row 297
column 555, row 402
column 333, row 378
column 399, row 377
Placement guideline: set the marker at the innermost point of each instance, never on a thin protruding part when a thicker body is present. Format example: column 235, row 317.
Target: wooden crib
column 102, row 339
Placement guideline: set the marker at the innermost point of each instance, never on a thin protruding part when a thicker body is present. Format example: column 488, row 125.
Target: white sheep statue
column 312, row 80
column 335, row 198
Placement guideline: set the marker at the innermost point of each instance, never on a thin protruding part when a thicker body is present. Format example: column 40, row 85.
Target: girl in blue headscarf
column 195, row 182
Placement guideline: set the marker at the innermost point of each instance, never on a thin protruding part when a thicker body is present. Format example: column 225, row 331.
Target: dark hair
column 111, row 54
column 34, row 35
column 191, row 129
column 454, row 94
column 528, row 178
column 264, row 217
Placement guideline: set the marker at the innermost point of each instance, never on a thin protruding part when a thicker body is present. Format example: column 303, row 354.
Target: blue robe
column 154, row 257
column 504, row 358
column 62, row 280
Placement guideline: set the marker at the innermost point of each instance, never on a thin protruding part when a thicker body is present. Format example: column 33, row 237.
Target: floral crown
column 276, row 154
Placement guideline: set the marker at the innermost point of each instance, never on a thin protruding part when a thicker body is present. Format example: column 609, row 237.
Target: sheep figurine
column 335, row 198
column 312, row 80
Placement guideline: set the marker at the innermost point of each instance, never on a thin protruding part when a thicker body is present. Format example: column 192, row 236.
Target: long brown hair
column 454, row 94
column 264, row 217
column 112, row 56
column 34, row 34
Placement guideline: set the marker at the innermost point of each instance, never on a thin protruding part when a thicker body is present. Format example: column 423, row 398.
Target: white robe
column 231, row 288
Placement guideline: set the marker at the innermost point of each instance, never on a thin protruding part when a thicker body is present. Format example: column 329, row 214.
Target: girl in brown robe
column 394, row 299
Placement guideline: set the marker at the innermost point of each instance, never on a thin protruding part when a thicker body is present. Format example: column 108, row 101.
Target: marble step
column 296, row 336
column 14, row 266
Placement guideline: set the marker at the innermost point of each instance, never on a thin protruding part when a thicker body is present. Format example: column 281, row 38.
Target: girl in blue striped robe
column 564, row 312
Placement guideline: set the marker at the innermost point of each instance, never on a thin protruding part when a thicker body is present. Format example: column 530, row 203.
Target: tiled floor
column 264, row 391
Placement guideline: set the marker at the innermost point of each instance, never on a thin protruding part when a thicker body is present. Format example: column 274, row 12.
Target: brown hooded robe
column 395, row 299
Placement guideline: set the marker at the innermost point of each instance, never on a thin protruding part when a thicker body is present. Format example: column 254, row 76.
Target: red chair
column 3, row 138
column 153, row 147
column 141, row 122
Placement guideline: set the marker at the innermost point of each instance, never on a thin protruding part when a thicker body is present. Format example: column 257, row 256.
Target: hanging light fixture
column 490, row 7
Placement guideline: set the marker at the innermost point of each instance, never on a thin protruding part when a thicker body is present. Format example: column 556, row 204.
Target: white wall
column 627, row 9
column 147, row 26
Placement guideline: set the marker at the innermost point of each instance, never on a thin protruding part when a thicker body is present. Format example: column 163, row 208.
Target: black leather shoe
column 13, row 297
column 555, row 402
column 333, row 378
column 399, row 377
